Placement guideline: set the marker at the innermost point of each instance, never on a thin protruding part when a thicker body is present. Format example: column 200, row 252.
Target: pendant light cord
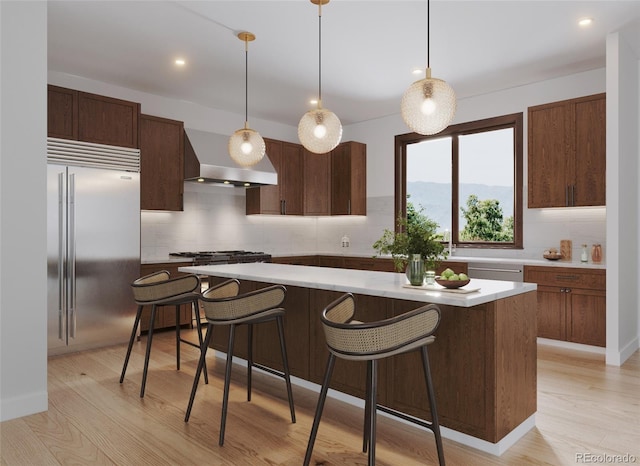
column 246, row 82
column 428, row 36
column 319, row 54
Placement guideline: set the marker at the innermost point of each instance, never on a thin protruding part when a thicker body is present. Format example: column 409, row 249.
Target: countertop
column 384, row 284
column 485, row 260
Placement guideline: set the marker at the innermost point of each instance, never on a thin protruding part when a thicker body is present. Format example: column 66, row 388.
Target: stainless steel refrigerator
column 93, row 243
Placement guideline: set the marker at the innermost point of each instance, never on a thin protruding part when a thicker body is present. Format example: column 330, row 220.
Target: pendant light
column 428, row 105
column 320, row 129
column 246, row 146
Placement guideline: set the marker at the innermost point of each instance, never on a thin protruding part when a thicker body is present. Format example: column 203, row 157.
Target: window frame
column 515, row 121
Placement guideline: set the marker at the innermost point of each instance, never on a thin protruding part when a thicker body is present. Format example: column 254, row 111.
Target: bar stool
column 357, row 341
column 250, row 308
column 156, row 290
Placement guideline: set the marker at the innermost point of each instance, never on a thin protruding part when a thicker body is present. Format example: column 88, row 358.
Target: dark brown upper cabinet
column 567, row 153
column 93, row 118
column 161, row 163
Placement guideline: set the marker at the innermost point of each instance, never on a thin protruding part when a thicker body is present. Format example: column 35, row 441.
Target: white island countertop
column 383, row 284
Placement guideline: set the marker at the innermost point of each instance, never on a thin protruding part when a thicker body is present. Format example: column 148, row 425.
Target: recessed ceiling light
column 585, row 22
column 313, row 101
column 180, row 62
column 417, row 71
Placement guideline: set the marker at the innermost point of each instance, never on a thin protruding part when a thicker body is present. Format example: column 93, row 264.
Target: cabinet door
column 331, row 261
column 266, row 199
column 348, row 179
column 586, row 320
column 161, row 163
column 291, row 188
column 590, row 152
column 551, row 313
column 62, row 113
column 317, row 183
column 106, row 120
column 549, row 163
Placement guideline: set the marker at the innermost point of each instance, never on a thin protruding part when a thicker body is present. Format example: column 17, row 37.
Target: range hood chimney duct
column 206, row 160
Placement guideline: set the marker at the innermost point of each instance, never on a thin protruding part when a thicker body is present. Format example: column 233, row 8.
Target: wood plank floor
column 584, row 407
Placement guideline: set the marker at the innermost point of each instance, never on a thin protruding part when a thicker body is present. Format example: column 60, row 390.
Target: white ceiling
column 368, row 48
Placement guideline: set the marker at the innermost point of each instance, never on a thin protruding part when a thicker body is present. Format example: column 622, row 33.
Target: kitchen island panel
column 461, row 366
column 483, row 360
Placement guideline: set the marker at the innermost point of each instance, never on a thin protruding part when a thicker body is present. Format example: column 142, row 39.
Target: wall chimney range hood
column 207, row 160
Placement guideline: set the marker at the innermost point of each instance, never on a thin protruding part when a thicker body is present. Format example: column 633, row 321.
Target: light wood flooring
column 584, row 407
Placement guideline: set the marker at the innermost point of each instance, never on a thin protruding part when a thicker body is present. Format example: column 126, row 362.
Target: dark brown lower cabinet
column 572, row 303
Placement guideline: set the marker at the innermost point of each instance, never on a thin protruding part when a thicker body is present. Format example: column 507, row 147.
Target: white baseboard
column 23, row 405
column 571, row 345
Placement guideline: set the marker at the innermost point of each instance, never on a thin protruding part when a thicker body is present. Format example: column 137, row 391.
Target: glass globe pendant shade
column 428, row 105
column 246, row 147
column 319, row 130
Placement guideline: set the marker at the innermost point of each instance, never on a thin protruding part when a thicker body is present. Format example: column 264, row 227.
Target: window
column 468, row 178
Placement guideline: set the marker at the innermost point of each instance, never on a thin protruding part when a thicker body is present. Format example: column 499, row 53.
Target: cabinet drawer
column 566, row 276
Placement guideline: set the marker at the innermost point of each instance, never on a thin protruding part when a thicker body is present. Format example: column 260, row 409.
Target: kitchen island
column 483, row 360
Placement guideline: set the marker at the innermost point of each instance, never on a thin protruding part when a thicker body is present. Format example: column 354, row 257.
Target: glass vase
column 415, row 270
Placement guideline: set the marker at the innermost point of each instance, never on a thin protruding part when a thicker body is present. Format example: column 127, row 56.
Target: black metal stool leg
column 196, row 310
column 249, row 359
column 372, row 382
column 319, row 408
column 196, row 379
column 178, row 337
column 435, row 425
column 227, row 380
column 367, row 417
column 131, row 340
column 285, row 363
column 148, row 352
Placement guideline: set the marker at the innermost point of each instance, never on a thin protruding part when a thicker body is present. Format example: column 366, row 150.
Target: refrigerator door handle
column 61, row 269
column 72, row 256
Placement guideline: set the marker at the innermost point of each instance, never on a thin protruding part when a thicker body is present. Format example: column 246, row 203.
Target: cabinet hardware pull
column 573, row 194
column 566, row 196
column 566, row 277
column 349, row 207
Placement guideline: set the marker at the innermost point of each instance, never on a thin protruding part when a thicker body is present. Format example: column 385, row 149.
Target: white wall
column 544, row 228
column 622, row 195
column 23, row 129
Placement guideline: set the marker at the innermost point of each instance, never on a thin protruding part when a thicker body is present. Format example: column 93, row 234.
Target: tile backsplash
column 214, row 219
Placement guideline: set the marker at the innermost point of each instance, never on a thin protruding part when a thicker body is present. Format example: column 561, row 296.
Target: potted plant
column 415, row 234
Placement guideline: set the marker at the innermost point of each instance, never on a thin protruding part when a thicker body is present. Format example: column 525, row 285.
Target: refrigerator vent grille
column 87, row 154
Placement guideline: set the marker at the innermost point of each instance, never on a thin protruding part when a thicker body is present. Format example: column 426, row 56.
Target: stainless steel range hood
column 207, row 160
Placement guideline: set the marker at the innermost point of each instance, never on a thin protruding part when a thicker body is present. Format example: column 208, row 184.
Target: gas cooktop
column 223, row 257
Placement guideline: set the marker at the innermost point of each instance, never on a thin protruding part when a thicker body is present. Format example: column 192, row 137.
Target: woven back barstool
column 370, row 342
column 156, row 290
column 250, row 308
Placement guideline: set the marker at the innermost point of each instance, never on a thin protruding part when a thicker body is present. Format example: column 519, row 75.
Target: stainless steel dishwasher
column 496, row 271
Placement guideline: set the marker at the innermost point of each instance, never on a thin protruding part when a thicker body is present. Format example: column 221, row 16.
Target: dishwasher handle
column 489, row 269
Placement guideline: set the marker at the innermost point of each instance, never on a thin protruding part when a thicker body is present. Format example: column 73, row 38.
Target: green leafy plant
column 415, row 234
column 485, row 221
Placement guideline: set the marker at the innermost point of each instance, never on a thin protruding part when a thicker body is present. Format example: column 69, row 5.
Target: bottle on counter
column 584, row 256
